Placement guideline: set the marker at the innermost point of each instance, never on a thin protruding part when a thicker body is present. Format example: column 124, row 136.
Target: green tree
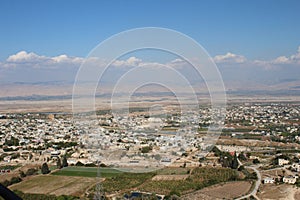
column 255, row 161
column 65, row 161
column 242, row 156
column 31, row 171
column 14, row 180
column 58, row 163
column 45, row 169
column 235, row 163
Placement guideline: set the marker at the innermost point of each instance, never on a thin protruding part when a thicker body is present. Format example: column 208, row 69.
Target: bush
column 146, row 149
column 45, row 169
column 6, row 183
column 58, row 164
column 91, row 165
column 242, row 156
column 255, row 161
column 103, row 165
column 65, row 161
column 31, row 171
column 252, row 176
column 79, row 164
column 14, row 180
column 22, row 174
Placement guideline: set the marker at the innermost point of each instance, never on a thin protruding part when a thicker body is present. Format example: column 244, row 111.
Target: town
column 261, row 140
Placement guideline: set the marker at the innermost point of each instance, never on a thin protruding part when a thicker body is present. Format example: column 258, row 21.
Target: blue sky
column 257, row 29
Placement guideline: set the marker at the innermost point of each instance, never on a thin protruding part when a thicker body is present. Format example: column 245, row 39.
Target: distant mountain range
column 58, row 90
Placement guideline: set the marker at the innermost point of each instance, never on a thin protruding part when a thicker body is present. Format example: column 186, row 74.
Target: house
column 254, row 157
column 289, row 179
column 7, row 159
column 282, row 162
column 296, row 167
column 268, row 180
column 55, row 154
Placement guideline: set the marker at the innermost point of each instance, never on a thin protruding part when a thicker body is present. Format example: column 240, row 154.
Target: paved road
column 257, row 183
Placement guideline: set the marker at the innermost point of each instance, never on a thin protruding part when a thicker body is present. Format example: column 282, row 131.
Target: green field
column 11, row 167
column 87, row 172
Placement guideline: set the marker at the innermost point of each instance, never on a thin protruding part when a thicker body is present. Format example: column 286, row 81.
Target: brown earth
column 170, row 177
column 280, row 192
column 221, row 191
column 55, row 185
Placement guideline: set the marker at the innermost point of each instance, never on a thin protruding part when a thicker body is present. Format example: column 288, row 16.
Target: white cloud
column 282, row 60
column 136, row 62
column 230, row 58
column 132, row 62
column 24, row 59
column 23, row 56
column 293, row 59
column 177, row 63
column 29, row 60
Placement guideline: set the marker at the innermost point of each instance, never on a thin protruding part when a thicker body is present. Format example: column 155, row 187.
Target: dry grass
column 56, row 185
column 170, row 177
column 16, row 172
column 281, row 192
column 222, row 191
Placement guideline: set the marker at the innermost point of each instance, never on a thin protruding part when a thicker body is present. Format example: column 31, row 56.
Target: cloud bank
column 32, row 67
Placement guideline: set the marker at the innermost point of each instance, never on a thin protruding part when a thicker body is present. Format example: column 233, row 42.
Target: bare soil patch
column 222, row 191
column 282, row 191
column 56, row 185
column 170, row 177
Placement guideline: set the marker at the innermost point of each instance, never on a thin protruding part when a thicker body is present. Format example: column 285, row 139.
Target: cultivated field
column 198, row 179
column 229, row 190
column 55, row 185
column 87, row 172
column 78, row 181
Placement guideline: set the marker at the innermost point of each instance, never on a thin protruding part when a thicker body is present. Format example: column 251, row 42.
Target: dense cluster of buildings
column 139, row 139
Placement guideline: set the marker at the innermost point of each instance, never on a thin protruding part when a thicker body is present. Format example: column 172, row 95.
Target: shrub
column 31, row 171
column 79, row 164
column 45, row 169
column 14, row 180
column 255, row 161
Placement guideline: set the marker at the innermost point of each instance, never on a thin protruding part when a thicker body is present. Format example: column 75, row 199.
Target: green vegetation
column 146, row 149
column 283, row 156
column 31, row 171
column 173, row 171
column 226, row 159
column 45, row 169
column 12, row 141
column 13, row 180
column 10, row 167
column 256, row 161
column 125, row 181
column 87, row 172
column 42, row 196
column 58, row 163
column 200, row 178
column 64, row 161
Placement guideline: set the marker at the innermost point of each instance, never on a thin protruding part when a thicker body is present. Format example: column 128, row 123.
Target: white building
column 289, row 179
column 268, row 180
column 282, row 162
column 296, row 167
